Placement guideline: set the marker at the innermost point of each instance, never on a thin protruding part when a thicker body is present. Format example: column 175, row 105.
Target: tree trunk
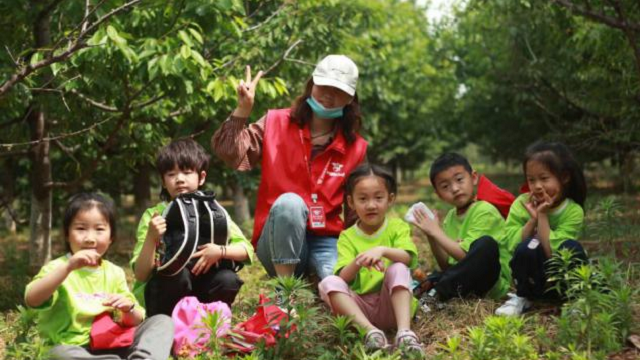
column 40, row 177
column 627, row 166
column 142, row 187
column 398, row 172
column 41, row 193
column 7, row 184
column 240, row 204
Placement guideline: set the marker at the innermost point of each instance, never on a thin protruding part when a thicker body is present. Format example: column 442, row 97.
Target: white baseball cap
column 337, row 71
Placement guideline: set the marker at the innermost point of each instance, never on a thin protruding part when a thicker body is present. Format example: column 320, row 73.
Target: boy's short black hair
column 446, row 161
column 186, row 153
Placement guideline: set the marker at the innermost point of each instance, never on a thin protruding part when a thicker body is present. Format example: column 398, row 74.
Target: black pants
column 162, row 293
column 529, row 268
column 475, row 274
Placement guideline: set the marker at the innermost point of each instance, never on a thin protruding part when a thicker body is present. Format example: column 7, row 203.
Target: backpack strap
column 176, row 252
column 218, row 222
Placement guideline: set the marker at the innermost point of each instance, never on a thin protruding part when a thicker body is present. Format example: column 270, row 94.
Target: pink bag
column 191, row 336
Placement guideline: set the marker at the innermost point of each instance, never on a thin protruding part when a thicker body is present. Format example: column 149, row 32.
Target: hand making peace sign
column 246, row 93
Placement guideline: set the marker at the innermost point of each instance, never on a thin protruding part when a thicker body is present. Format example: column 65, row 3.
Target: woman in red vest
column 305, row 153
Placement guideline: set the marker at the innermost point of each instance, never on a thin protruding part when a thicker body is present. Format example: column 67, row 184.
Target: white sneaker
column 515, row 306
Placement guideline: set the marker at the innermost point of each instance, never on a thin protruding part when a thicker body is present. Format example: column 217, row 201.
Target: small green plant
column 343, row 326
column 212, row 322
column 607, row 223
column 597, row 317
column 360, row 353
column 15, row 275
column 298, row 331
column 27, row 343
column 498, row 338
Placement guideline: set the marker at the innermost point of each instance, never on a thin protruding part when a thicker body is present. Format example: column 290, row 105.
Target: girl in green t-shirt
column 372, row 278
column 547, row 218
column 70, row 291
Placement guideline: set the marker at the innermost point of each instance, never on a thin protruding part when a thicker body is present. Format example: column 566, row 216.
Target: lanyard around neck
column 323, row 175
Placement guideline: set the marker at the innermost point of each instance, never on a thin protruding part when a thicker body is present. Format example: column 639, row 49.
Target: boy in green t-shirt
column 182, row 165
column 466, row 245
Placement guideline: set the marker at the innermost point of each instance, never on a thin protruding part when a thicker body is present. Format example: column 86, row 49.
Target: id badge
column 317, row 218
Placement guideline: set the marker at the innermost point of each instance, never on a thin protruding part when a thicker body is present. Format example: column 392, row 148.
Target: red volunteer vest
column 286, row 152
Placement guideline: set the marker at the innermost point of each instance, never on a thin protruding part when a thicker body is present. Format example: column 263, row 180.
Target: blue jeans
column 285, row 240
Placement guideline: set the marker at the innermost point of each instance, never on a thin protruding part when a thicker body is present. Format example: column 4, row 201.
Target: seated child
column 466, row 246
column 182, row 166
column 546, row 219
column 374, row 257
column 70, row 291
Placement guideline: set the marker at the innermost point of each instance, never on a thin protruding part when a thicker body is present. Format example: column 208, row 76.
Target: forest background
column 89, row 90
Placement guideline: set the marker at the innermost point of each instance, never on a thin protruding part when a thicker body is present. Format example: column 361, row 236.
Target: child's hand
column 425, row 223
column 544, row 205
column 157, row 227
column 209, row 255
column 119, row 302
column 531, row 205
column 82, row 258
column 372, row 258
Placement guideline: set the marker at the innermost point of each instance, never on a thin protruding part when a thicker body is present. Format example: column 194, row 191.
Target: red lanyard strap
column 320, row 180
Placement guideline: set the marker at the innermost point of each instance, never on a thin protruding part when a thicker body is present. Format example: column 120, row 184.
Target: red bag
column 107, row 334
column 264, row 325
column 498, row 197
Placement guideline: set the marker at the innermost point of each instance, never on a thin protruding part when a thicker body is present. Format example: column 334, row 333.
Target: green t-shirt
column 234, row 233
column 479, row 220
column 394, row 233
column 565, row 220
column 67, row 316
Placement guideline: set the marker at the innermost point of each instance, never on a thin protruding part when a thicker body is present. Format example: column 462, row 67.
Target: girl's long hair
column 557, row 157
column 349, row 123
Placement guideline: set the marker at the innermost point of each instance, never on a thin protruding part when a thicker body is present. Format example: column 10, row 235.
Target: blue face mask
column 323, row 112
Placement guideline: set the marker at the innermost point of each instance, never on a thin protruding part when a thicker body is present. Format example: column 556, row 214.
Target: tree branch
column 14, row 153
column 148, row 102
column 53, row 138
column 12, row 213
column 76, row 45
column 631, row 38
column 95, row 103
column 269, row 18
column 66, row 150
column 283, row 57
column 96, row 161
column 17, row 120
column 597, row 16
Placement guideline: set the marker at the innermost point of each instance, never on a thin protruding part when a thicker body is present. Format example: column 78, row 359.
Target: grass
column 438, row 330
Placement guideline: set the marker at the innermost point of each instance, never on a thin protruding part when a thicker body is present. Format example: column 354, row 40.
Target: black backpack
column 193, row 219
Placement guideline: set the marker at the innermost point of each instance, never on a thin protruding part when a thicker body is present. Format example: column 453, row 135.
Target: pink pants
column 376, row 307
